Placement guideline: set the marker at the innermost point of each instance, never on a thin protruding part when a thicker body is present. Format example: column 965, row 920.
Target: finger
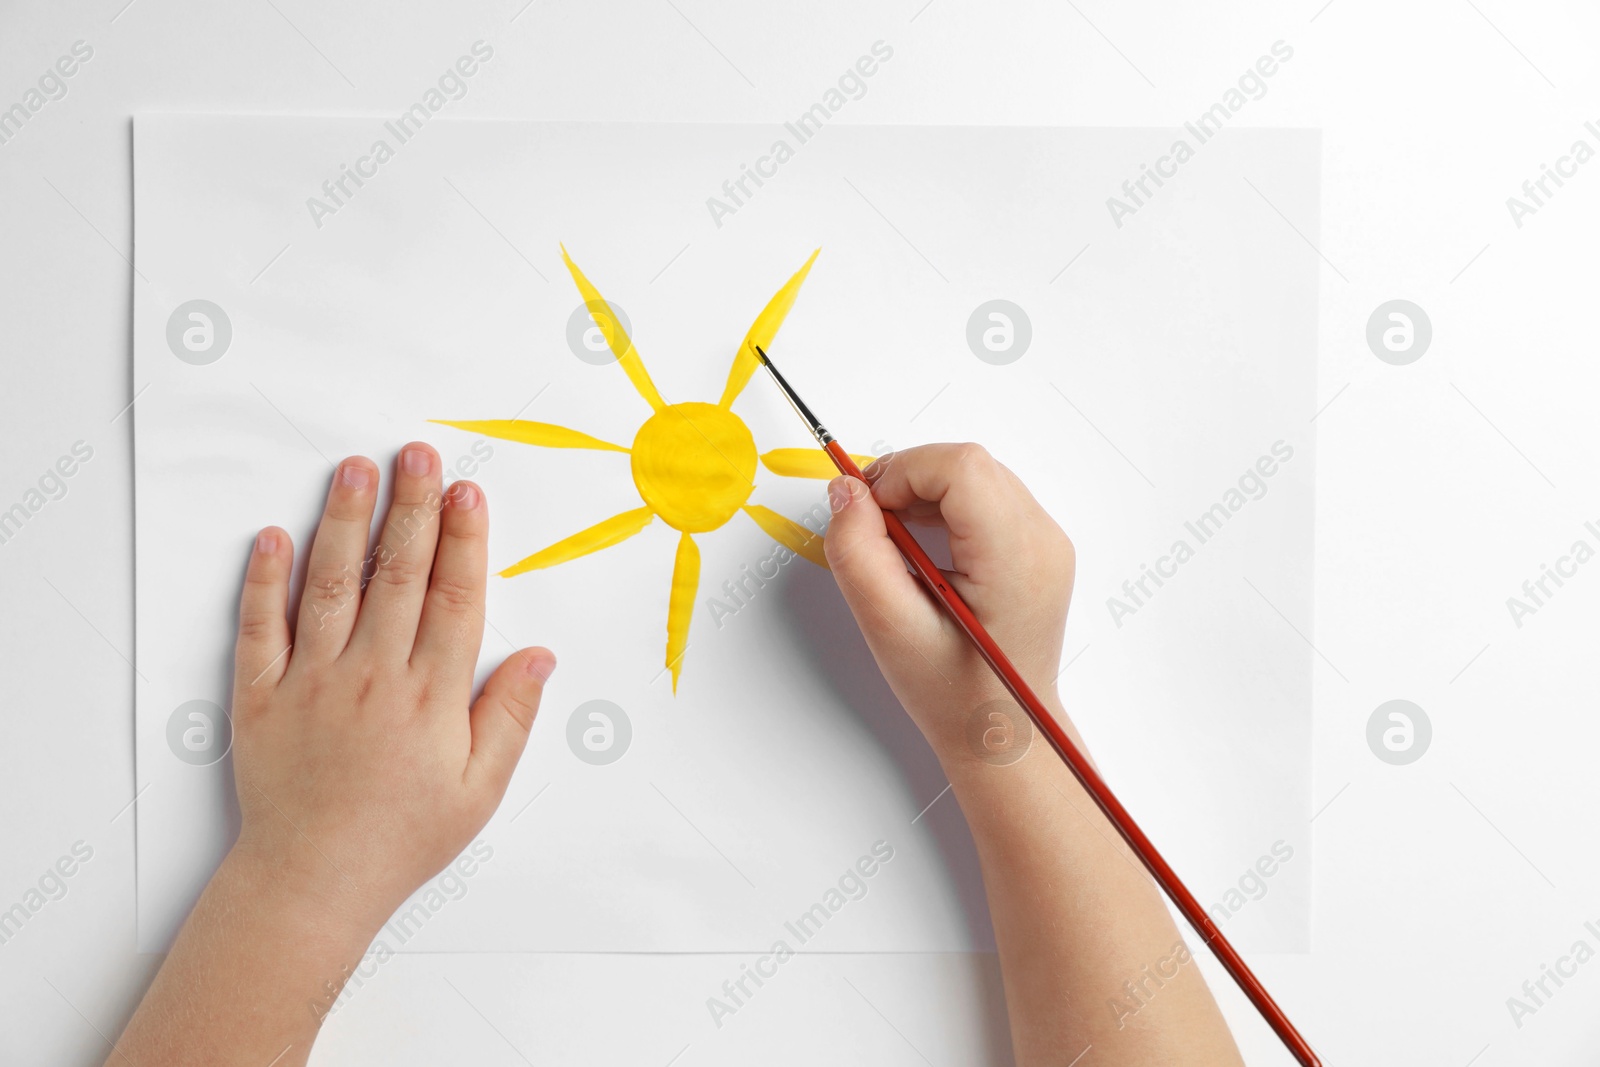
column 451, row 630
column 403, row 560
column 986, row 510
column 971, row 488
column 504, row 714
column 332, row 595
column 871, row 573
column 261, row 655
column 922, row 513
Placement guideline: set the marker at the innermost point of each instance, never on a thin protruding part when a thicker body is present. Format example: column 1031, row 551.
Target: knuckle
column 454, row 597
column 465, row 526
column 522, row 705
column 329, row 590
column 472, row 539
column 970, row 455
column 392, row 568
column 366, row 678
column 331, row 583
column 258, row 625
column 348, row 507
column 249, row 700
column 258, row 580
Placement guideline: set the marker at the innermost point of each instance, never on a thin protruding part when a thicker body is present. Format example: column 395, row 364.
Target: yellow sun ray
column 680, row 606
column 805, row 462
column 621, row 344
column 789, row 534
column 601, row 535
column 547, row 434
column 762, row 331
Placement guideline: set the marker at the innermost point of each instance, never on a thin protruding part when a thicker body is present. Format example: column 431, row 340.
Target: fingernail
column 267, row 542
column 416, row 461
column 355, row 476
column 465, row 495
column 541, row 662
column 839, row 493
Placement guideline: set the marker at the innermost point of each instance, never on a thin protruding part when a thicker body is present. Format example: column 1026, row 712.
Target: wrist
column 303, row 892
column 988, row 728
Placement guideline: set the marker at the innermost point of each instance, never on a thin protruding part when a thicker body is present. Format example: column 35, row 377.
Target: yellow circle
column 695, row 465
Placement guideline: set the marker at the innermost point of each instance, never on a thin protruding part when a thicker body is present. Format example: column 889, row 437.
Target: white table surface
column 1441, row 885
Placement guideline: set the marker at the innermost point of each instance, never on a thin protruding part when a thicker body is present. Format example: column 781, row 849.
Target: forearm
column 1088, row 950
column 252, row 972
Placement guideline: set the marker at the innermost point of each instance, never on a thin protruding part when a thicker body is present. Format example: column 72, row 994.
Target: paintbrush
column 1075, row 760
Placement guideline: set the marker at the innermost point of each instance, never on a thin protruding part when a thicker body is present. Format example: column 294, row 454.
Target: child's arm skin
column 1074, row 914
column 361, row 771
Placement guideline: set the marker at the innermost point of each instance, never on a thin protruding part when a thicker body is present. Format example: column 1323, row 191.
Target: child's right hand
column 1072, row 907
column 1011, row 563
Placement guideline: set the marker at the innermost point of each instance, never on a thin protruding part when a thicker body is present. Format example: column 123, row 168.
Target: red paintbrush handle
column 1084, row 771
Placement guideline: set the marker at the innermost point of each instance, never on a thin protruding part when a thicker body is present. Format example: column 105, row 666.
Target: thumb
column 871, row 573
column 505, row 711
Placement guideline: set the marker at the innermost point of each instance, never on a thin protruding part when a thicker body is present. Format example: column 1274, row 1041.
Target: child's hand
column 1012, row 565
column 360, row 771
column 1072, row 908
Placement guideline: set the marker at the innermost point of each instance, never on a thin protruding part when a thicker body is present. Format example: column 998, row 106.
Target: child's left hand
column 360, row 771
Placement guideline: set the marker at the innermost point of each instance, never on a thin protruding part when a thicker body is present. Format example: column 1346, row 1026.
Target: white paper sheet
column 1168, row 355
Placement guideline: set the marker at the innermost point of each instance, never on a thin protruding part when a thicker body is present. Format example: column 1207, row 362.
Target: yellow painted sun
column 694, row 464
